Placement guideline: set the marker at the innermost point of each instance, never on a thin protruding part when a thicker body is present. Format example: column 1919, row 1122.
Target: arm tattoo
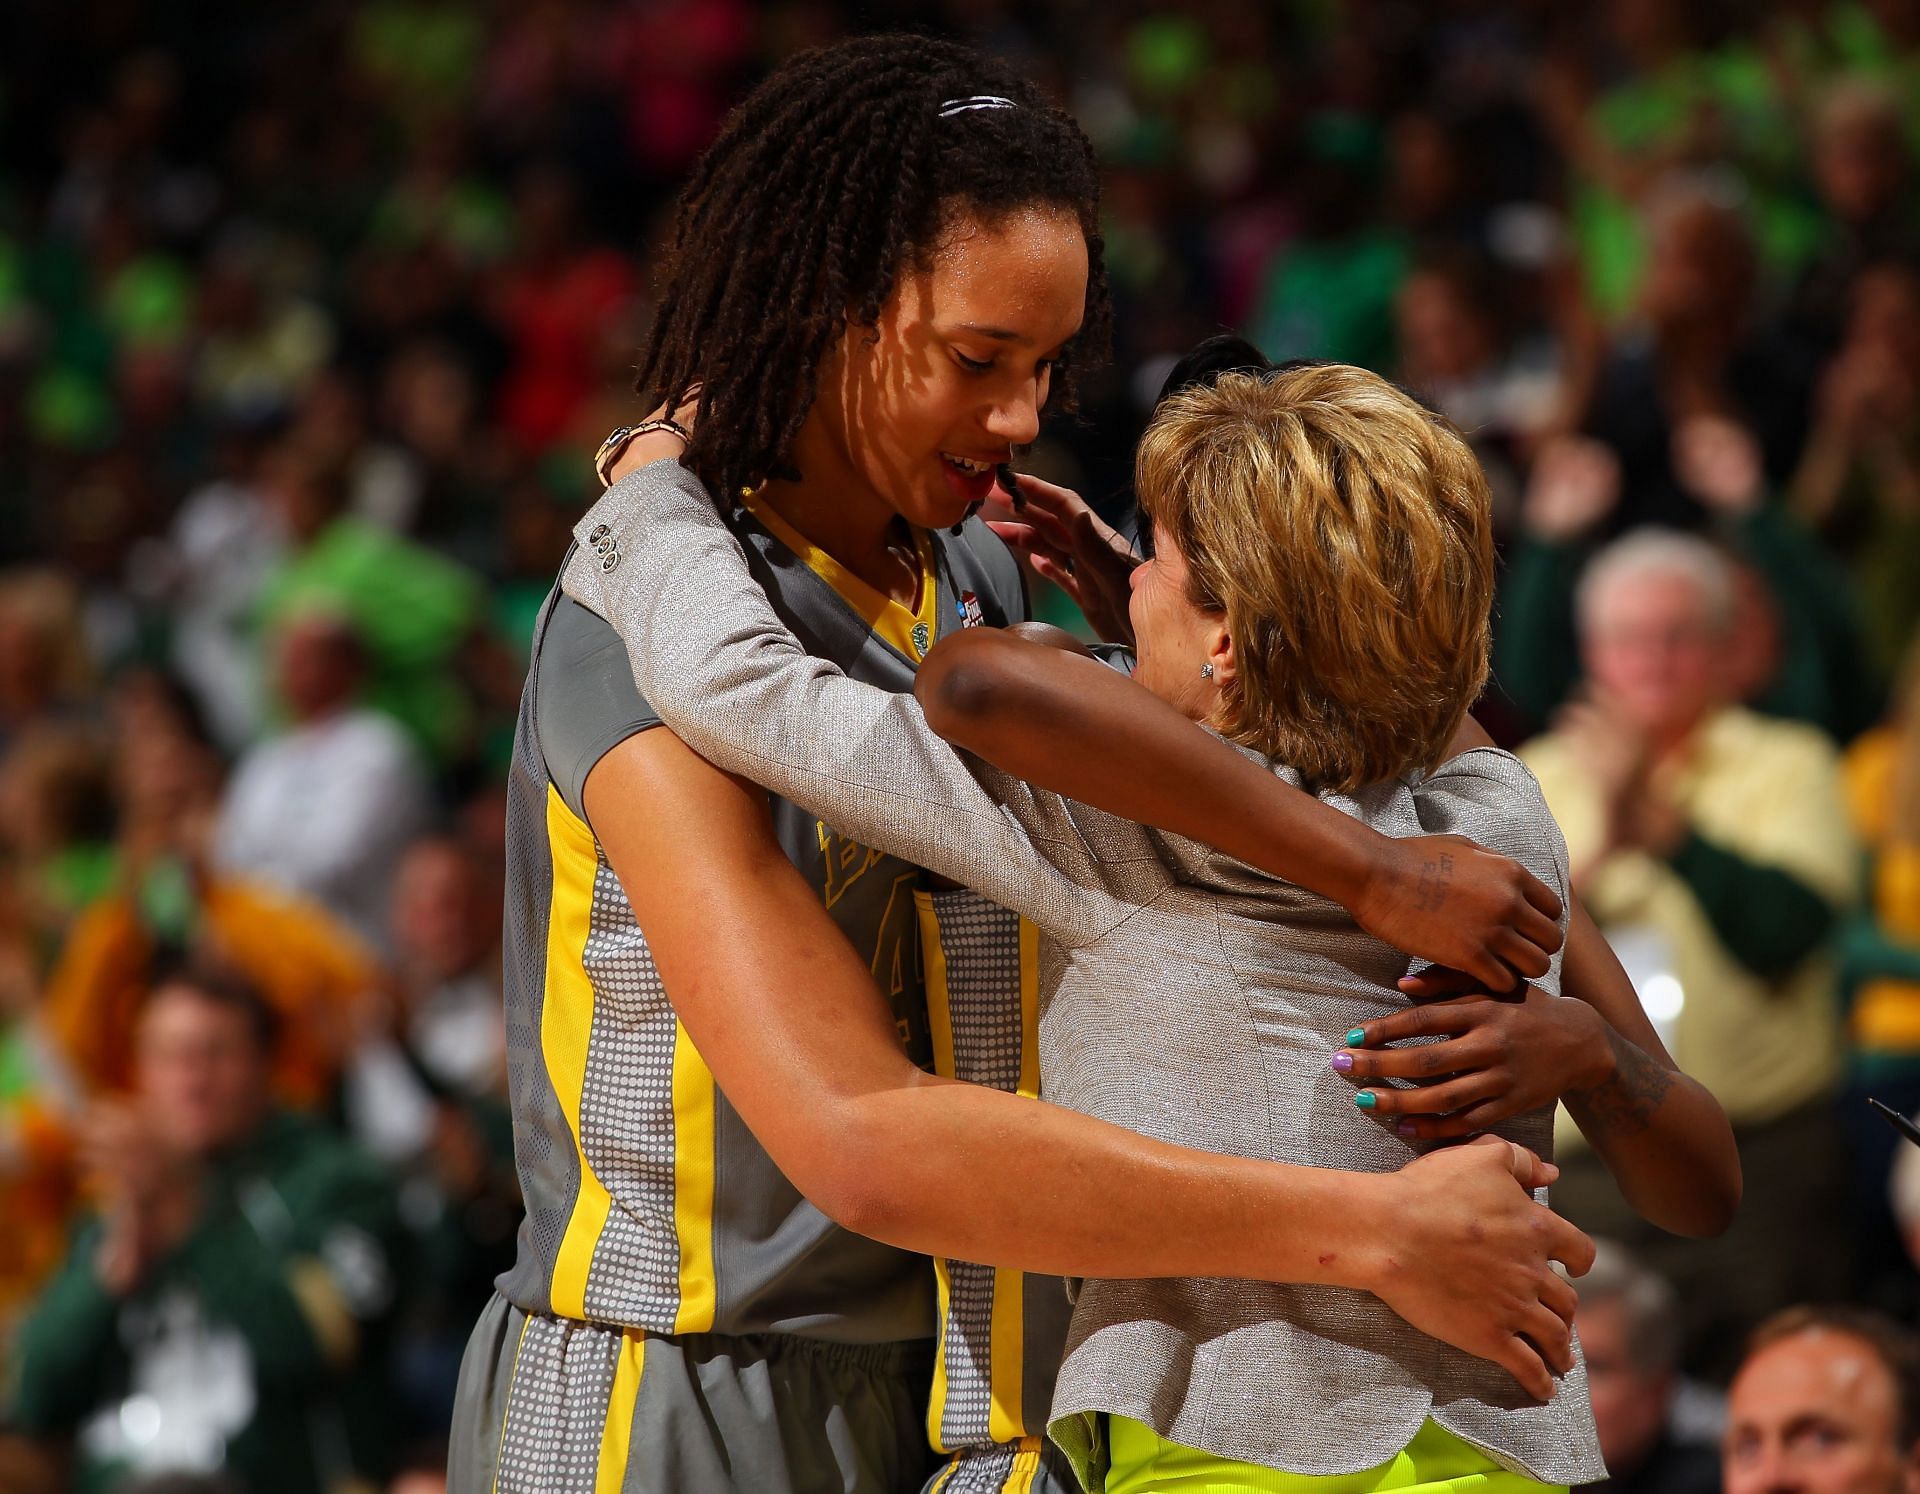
column 1627, row 1101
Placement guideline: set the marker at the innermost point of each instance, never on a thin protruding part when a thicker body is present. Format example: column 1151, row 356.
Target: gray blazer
column 1183, row 995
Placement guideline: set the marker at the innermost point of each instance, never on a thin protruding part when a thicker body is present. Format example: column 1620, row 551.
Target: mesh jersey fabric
column 621, row 1136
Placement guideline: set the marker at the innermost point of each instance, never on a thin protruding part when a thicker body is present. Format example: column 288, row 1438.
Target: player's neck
column 852, row 523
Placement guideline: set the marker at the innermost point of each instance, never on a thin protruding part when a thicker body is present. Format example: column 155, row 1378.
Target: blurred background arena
column 311, row 315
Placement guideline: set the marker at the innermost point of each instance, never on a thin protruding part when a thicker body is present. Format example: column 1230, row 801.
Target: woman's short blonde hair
column 1346, row 533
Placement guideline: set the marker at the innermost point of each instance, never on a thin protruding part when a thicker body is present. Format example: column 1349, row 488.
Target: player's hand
column 1445, row 900
column 1468, row 1258
column 1495, row 1059
column 1070, row 545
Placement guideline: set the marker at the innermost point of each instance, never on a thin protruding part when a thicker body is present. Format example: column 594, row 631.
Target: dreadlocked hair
column 833, row 176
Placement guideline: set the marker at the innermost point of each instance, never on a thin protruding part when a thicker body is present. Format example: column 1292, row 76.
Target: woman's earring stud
column 1206, row 671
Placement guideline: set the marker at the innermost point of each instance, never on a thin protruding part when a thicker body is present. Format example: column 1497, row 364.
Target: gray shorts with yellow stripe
column 564, row 1407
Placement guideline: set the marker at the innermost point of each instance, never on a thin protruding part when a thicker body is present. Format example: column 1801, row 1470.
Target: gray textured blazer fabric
column 1184, row 995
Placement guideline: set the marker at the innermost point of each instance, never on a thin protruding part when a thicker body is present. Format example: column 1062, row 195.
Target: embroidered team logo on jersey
column 847, row 861
column 969, row 609
column 922, row 639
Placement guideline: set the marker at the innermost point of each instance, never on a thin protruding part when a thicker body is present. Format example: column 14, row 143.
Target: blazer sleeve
column 714, row 660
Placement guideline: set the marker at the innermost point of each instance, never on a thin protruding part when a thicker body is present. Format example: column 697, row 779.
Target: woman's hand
column 656, row 446
column 1467, row 1256
column 1444, row 899
column 1070, row 545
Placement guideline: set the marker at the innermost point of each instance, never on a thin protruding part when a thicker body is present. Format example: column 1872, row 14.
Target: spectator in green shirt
column 412, row 608
column 223, row 1310
column 1329, row 293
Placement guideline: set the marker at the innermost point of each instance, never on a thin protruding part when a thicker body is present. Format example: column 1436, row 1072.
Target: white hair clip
column 979, row 101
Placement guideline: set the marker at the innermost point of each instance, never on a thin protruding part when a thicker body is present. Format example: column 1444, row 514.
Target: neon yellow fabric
column 1435, row 1462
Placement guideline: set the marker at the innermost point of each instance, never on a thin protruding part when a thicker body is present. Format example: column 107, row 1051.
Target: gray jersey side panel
column 586, row 704
column 780, row 1266
column 543, row 1148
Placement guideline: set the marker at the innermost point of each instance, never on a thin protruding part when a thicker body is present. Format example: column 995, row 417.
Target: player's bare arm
column 1067, row 723
column 787, row 1017
column 1663, row 1137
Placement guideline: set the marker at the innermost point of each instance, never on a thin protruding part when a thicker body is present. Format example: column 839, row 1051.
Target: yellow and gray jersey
column 649, row 1204
column 1002, row 1332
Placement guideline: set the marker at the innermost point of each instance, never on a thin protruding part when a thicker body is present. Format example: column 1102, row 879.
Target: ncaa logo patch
column 970, row 614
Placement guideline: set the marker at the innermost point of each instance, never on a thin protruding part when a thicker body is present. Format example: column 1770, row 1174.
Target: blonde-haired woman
column 1317, row 593
column 1347, row 533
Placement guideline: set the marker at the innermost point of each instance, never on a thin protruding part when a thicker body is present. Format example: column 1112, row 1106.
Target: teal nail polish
column 1366, row 1099
column 1357, row 1037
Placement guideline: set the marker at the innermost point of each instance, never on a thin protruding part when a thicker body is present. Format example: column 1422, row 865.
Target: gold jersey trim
column 616, row 1434
column 910, row 630
column 940, row 1027
column 1007, row 1421
column 566, row 1026
column 693, row 1183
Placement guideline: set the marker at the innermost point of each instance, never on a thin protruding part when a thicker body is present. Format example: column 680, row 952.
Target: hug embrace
column 920, row 933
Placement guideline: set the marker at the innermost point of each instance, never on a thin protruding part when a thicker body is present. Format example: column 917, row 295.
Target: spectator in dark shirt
column 1798, row 648
column 1863, row 172
column 1698, row 347
column 225, row 1309
column 1629, row 1327
column 1858, row 484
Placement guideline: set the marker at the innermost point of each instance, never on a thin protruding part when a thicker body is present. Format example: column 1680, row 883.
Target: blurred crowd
column 310, row 315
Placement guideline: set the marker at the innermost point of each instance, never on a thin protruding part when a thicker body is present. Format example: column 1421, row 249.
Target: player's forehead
column 1018, row 277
